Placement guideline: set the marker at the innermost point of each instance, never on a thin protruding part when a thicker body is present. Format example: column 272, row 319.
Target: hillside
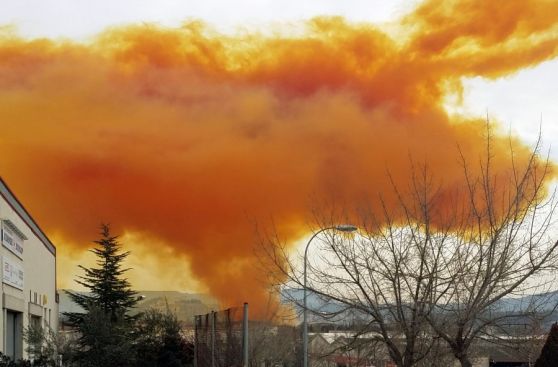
column 185, row 305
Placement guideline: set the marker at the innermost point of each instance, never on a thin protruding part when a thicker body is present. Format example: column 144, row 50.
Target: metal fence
column 221, row 338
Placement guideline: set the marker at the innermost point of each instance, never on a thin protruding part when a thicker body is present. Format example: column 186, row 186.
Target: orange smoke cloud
column 189, row 135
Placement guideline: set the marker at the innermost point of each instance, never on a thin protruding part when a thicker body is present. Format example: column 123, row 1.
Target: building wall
column 38, row 262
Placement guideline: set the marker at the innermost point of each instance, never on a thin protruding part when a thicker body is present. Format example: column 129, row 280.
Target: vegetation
column 422, row 272
column 5, row 361
column 43, row 345
column 105, row 329
column 108, row 335
column 549, row 353
column 160, row 341
column 108, row 290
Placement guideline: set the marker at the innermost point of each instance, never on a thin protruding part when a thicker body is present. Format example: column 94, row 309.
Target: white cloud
column 81, row 19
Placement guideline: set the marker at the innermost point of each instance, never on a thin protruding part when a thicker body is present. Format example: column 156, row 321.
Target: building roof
column 16, row 205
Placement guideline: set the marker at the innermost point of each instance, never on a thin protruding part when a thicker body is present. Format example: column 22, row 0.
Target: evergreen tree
column 104, row 341
column 108, row 290
column 106, row 331
column 549, row 353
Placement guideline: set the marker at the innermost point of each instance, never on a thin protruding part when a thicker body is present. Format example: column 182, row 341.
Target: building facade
column 28, row 261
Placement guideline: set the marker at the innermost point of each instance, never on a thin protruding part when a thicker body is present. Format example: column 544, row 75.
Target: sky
column 80, row 19
column 190, row 124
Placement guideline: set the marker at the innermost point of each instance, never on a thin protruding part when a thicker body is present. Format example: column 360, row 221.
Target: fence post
column 229, row 351
column 213, row 317
column 245, row 336
column 195, row 341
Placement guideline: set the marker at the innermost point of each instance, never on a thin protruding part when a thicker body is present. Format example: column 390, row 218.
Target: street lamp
column 342, row 228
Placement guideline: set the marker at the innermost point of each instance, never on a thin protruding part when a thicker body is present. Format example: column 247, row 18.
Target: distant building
column 28, row 260
column 352, row 349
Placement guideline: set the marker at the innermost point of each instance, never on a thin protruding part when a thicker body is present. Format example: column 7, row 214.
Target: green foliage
column 105, row 329
column 108, row 290
column 160, row 341
column 42, row 345
column 5, row 361
column 108, row 336
column 549, row 353
column 106, row 340
column 67, row 347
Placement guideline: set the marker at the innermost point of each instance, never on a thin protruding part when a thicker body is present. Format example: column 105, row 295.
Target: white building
column 28, row 261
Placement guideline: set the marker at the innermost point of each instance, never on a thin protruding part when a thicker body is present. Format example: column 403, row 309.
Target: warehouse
column 28, row 260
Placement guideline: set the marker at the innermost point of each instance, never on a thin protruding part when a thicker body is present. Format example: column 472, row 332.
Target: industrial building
column 28, row 260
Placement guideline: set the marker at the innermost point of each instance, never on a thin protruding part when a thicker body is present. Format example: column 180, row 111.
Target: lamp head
column 346, row 228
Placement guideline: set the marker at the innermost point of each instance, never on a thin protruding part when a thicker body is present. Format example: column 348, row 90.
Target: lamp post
column 341, row 228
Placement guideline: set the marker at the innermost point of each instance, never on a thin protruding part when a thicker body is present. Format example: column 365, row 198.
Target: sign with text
column 12, row 241
column 12, row 274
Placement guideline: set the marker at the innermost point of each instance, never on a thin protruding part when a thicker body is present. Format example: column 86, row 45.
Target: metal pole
column 195, row 341
column 213, row 317
column 245, row 336
column 304, row 311
column 342, row 228
column 229, row 353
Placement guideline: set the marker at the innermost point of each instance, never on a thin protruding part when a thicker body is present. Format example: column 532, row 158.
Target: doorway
column 14, row 334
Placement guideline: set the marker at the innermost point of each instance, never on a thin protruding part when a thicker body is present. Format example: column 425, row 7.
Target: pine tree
column 106, row 330
column 108, row 290
column 549, row 353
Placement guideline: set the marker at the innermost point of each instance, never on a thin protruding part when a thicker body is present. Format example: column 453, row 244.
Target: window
column 35, row 321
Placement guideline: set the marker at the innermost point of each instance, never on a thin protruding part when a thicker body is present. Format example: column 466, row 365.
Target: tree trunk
column 464, row 360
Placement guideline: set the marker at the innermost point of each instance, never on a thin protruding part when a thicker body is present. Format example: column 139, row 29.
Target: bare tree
column 435, row 263
column 500, row 248
column 385, row 277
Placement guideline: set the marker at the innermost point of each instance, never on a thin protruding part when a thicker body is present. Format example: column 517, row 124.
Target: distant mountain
column 543, row 303
column 314, row 301
column 322, row 309
column 185, row 305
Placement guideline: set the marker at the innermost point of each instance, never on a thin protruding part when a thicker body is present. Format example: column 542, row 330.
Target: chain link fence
column 221, row 338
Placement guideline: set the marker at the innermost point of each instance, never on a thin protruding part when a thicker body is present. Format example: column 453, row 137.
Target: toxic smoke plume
column 189, row 136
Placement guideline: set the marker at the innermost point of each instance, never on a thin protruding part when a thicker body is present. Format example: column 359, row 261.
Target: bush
column 160, row 341
column 6, row 361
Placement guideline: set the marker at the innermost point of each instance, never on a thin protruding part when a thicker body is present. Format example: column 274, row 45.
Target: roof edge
column 16, row 205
